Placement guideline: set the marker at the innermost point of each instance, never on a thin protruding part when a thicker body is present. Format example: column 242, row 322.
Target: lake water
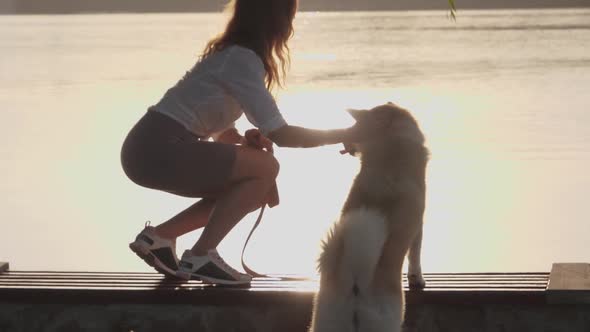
column 502, row 96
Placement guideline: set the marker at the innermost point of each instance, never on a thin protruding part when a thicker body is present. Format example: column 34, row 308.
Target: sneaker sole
column 150, row 259
column 208, row 280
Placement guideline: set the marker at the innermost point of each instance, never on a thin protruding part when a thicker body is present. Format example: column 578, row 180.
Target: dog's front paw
column 416, row 281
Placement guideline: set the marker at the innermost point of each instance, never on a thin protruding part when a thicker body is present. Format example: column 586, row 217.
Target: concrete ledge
column 146, row 302
column 569, row 283
column 209, row 318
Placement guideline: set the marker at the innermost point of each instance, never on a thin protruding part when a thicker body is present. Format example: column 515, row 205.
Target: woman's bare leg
column 190, row 219
column 252, row 177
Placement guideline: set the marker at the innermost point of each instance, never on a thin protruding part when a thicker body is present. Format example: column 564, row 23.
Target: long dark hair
column 265, row 27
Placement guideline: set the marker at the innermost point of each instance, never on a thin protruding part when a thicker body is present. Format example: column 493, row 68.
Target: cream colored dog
column 381, row 221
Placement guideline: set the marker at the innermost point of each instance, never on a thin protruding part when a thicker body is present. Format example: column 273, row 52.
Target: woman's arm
column 299, row 137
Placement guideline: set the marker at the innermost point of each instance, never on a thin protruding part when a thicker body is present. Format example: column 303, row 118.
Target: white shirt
column 219, row 88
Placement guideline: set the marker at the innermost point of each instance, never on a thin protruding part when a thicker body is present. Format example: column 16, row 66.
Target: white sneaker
column 156, row 251
column 210, row 268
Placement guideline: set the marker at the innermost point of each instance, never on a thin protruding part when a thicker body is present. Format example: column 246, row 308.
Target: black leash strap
column 248, row 269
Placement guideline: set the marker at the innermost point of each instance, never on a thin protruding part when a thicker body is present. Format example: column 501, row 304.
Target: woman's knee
column 254, row 163
column 273, row 167
column 269, row 167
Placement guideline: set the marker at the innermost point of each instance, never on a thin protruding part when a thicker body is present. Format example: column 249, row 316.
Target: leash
column 246, row 267
column 254, row 139
column 251, row 271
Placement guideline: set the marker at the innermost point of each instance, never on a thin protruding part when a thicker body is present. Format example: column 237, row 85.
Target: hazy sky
column 61, row 6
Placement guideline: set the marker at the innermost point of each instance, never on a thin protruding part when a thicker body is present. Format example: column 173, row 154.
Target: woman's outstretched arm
column 299, row 137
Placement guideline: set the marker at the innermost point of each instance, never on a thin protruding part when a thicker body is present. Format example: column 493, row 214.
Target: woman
column 169, row 148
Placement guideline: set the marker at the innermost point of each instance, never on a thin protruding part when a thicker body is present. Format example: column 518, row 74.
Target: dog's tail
column 351, row 255
column 363, row 236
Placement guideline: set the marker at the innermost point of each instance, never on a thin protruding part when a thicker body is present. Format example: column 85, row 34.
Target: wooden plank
column 154, row 277
column 569, row 283
column 121, row 281
column 3, row 267
column 123, row 287
column 255, row 284
column 445, row 275
column 254, row 287
column 9, row 276
column 431, row 276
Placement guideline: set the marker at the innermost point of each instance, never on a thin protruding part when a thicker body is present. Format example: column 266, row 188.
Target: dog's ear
column 356, row 114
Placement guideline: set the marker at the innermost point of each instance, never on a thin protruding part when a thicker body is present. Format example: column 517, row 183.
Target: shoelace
column 220, row 260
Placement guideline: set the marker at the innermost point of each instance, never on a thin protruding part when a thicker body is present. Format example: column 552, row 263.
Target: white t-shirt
column 219, row 88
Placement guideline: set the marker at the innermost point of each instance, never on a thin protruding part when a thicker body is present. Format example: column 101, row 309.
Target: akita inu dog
column 381, row 221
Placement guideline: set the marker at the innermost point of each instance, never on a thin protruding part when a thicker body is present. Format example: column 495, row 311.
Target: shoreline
column 326, row 10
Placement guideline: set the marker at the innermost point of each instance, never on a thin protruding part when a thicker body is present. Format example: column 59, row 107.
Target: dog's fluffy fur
column 381, row 221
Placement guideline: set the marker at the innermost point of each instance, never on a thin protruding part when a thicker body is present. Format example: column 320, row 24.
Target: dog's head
column 399, row 126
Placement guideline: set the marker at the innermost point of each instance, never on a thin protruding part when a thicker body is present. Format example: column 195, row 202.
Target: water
column 502, row 97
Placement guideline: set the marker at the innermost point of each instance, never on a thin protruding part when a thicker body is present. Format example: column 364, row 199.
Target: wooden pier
column 124, row 301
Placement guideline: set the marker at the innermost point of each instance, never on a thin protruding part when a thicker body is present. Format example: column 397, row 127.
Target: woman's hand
column 230, row 136
column 349, row 148
column 255, row 139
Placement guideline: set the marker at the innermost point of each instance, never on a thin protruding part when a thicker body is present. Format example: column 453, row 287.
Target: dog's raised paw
column 416, row 282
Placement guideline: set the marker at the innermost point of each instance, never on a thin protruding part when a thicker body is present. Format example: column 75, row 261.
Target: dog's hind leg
column 415, row 278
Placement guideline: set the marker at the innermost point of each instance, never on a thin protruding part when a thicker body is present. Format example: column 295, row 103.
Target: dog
column 361, row 258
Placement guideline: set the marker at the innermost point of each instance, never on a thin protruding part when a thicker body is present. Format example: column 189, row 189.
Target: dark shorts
column 159, row 153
